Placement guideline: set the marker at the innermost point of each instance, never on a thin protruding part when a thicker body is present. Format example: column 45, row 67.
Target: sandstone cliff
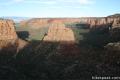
column 59, row 33
column 101, row 22
column 35, row 23
column 93, row 22
column 9, row 41
column 7, row 33
column 7, row 30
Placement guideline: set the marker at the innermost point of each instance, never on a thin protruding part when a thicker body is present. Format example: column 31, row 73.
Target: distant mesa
column 115, row 15
column 59, row 33
column 16, row 19
column 92, row 22
column 35, row 23
column 57, row 25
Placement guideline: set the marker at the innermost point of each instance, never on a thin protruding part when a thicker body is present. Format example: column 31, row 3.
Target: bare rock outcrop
column 7, row 33
column 7, row 30
column 101, row 22
column 59, row 33
column 35, row 23
column 93, row 22
column 113, row 46
column 9, row 41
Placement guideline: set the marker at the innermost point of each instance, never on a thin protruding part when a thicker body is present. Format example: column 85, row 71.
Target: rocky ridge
column 35, row 23
column 93, row 22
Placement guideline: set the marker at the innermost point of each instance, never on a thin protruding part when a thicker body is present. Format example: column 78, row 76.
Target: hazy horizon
column 55, row 17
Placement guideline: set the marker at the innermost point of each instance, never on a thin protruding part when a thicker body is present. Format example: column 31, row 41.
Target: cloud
column 86, row 1
column 10, row 2
column 60, row 3
column 55, row 3
column 64, row 6
column 83, row 2
column 18, row 0
column 6, row 3
column 40, row 2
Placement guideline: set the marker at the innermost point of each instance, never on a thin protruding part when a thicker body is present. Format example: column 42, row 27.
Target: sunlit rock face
column 93, row 22
column 35, row 23
column 9, row 41
column 64, row 20
column 59, row 33
column 7, row 33
column 7, row 30
column 116, row 22
column 101, row 22
column 64, row 37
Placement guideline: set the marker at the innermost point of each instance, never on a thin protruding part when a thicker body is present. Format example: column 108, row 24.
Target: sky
column 59, row 8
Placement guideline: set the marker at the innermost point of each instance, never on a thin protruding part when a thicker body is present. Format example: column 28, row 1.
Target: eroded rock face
column 101, row 22
column 9, row 41
column 64, row 36
column 7, row 30
column 35, row 23
column 59, row 33
column 64, row 20
column 93, row 22
column 8, row 35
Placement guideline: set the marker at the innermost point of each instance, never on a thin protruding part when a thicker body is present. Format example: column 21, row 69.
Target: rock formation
column 93, row 22
column 35, row 23
column 114, row 16
column 59, row 33
column 113, row 46
column 7, row 33
column 9, row 41
column 101, row 22
column 7, row 30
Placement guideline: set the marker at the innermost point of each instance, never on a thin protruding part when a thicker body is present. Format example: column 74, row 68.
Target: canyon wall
column 9, row 41
column 7, row 33
column 93, row 22
column 102, row 22
column 59, row 33
column 7, row 30
column 35, row 23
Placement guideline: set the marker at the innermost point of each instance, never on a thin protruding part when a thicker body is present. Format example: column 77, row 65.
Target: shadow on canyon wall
column 42, row 59
column 23, row 34
column 97, row 36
